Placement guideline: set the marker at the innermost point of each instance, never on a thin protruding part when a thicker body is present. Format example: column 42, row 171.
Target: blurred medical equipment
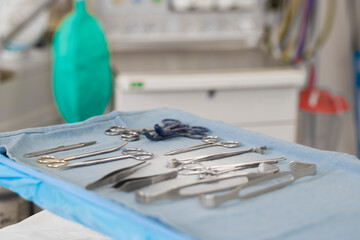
column 209, row 142
column 295, row 30
column 298, row 29
column 173, row 163
column 353, row 7
column 59, row 149
column 54, row 162
column 178, row 192
column 321, row 115
column 82, row 75
column 298, row 170
column 165, row 24
column 134, row 153
column 19, row 33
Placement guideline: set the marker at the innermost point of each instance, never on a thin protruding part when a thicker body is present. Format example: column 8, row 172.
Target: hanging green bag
column 82, row 76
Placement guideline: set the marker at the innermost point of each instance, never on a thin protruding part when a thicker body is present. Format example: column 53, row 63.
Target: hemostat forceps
column 203, row 171
column 135, row 153
column 209, row 141
column 176, row 192
column 131, row 184
column 173, row 163
column 54, row 162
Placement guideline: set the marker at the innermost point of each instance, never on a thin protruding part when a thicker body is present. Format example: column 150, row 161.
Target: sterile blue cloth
column 324, row 206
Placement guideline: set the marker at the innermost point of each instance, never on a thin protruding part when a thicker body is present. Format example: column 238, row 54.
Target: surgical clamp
column 173, row 163
column 135, row 153
column 203, row 171
column 176, row 192
column 209, row 141
column 59, row 149
column 299, row 170
column 53, row 162
column 131, row 184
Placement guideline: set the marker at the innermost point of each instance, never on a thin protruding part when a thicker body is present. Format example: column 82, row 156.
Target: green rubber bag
column 82, row 76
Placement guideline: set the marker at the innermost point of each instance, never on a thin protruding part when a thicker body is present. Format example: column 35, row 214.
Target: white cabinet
column 259, row 100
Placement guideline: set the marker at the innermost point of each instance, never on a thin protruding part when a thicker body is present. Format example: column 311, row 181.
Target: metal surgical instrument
column 176, row 192
column 54, row 162
column 59, row 149
column 203, row 171
column 209, row 142
column 117, row 130
column 299, row 170
column 135, row 153
column 116, row 175
column 131, row 184
column 173, row 163
column 127, row 134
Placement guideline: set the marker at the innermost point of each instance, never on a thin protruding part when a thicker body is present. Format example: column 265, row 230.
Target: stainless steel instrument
column 209, row 142
column 54, row 162
column 299, row 170
column 173, row 163
column 176, row 192
column 59, row 149
column 130, row 184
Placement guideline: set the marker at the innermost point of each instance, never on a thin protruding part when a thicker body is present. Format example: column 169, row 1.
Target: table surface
column 326, row 205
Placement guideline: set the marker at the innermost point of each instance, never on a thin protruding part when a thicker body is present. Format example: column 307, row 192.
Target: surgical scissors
column 209, row 142
column 118, row 130
column 128, row 134
column 135, row 153
column 173, row 163
column 54, row 162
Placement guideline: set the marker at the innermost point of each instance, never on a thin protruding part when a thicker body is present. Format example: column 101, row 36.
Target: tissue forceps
column 209, row 142
column 59, row 149
column 54, row 162
column 135, row 153
column 122, row 183
column 173, row 163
